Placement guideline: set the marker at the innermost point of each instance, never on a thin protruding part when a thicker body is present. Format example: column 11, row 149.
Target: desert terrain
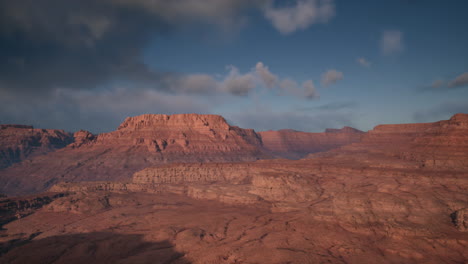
column 193, row 189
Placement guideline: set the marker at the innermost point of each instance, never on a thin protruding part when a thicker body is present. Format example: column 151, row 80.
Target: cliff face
column 18, row 142
column 295, row 144
column 439, row 145
column 139, row 142
column 377, row 200
column 415, row 173
column 185, row 137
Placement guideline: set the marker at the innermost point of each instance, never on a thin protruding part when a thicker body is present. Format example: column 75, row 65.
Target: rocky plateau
column 396, row 194
column 141, row 142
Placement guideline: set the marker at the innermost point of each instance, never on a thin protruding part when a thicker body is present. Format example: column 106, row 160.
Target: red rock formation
column 18, row 142
column 82, row 137
column 439, row 145
column 139, row 142
column 293, row 144
column 373, row 201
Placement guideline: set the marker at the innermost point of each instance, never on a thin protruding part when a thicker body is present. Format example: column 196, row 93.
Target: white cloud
column 224, row 13
column 300, row 16
column 363, row 62
column 288, row 85
column 236, row 83
column 195, row 83
column 391, row 42
column 331, row 77
column 459, row 81
column 241, row 84
column 309, row 89
column 291, row 87
column 268, row 78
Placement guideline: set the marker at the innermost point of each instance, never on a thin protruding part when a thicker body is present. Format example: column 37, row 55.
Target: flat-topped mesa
column 402, row 128
column 157, row 121
column 140, row 142
column 439, row 145
column 293, row 144
column 457, row 121
column 182, row 134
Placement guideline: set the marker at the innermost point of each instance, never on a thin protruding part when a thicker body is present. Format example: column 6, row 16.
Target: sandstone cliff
column 139, row 142
column 376, row 200
column 18, row 142
column 293, row 144
column 440, row 145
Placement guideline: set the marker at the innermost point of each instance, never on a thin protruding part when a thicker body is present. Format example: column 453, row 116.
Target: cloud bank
column 331, row 77
column 460, row 81
column 299, row 16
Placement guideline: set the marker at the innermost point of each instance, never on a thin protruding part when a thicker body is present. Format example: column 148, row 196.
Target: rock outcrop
column 18, row 142
column 377, row 200
column 139, row 142
column 440, row 145
column 293, row 144
column 17, row 207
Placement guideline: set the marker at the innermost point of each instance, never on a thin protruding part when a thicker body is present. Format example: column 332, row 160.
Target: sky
column 264, row 64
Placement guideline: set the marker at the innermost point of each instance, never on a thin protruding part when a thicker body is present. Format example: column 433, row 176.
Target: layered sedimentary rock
column 376, row 201
column 293, row 144
column 139, row 142
column 439, row 145
column 199, row 173
column 18, row 142
column 17, row 207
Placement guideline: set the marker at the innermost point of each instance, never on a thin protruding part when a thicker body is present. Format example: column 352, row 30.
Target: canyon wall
column 139, row 142
column 377, row 199
column 293, row 144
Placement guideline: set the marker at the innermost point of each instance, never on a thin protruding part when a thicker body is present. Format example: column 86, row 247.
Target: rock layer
column 372, row 201
column 18, row 142
column 293, row 144
column 139, row 142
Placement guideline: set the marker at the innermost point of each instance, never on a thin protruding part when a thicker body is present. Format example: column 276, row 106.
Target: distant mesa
column 42, row 158
column 406, row 183
column 148, row 140
column 292, row 144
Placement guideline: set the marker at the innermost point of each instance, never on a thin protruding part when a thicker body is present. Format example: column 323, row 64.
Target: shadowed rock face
column 18, row 142
column 15, row 208
column 95, row 247
column 293, row 144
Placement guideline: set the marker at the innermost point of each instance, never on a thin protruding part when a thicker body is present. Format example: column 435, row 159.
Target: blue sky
column 306, row 65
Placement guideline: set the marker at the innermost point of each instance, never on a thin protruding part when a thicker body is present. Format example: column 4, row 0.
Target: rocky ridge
column 139, row 142
column 373, row 200
column 149, row 140
column 293, row 144
column 19, row 142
